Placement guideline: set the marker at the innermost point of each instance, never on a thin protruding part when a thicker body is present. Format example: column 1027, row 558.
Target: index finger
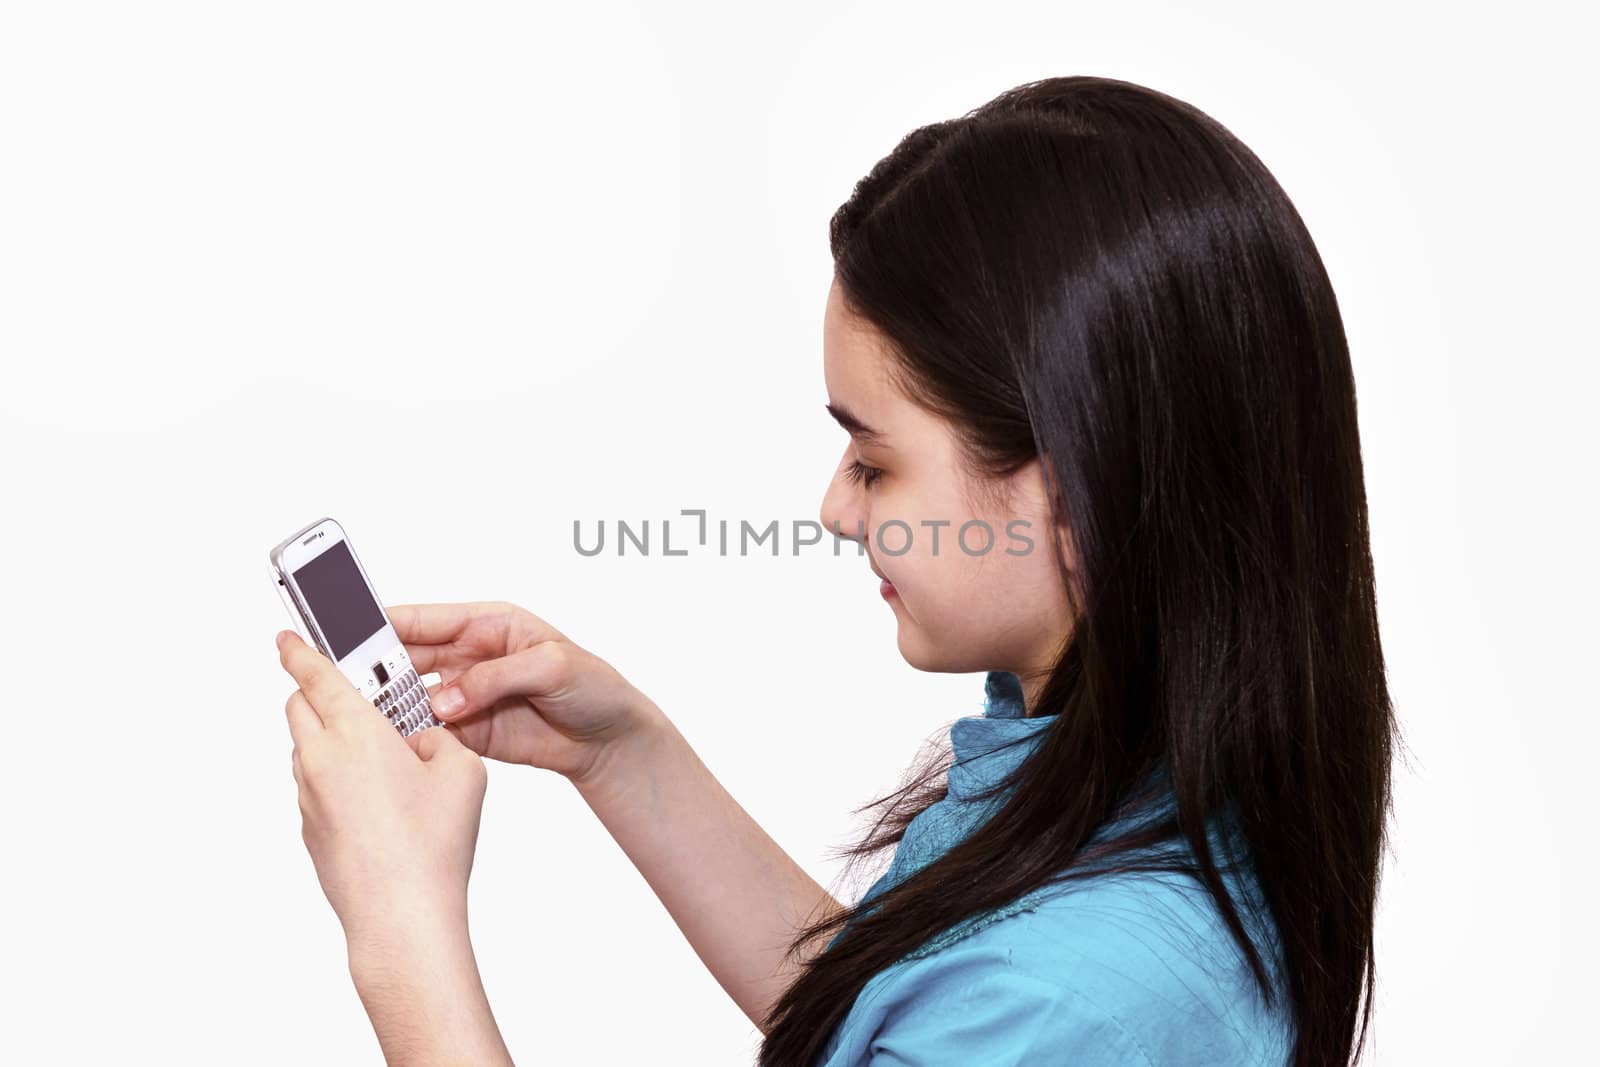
column 324, row 686
column 434, row 624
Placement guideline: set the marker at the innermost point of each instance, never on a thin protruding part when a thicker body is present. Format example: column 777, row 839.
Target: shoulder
column 1122, row 969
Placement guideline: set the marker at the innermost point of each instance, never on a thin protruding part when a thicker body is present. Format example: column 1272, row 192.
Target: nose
column 843, row 513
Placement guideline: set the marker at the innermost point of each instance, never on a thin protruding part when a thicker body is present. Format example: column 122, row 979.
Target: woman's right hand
column 527, row 693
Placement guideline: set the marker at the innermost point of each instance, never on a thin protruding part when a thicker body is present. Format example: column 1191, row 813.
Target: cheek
column 975, row 599
column 953, row 614
column 951, row 589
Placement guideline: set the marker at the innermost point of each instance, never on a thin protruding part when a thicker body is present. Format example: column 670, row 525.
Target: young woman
column 1086, row 313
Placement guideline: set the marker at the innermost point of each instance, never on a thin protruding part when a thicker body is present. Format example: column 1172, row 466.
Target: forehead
column 854, row 364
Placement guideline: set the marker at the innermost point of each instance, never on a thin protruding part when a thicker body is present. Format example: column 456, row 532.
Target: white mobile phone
column 336, row 608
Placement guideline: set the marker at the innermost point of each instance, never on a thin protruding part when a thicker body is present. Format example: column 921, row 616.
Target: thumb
column 430, row 743
column 536, row 671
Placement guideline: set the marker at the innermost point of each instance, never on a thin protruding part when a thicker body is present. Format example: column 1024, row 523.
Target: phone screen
column 338, row 597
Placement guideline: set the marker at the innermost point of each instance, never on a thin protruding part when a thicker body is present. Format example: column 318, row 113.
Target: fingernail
column 448, row 701
column 281, row 635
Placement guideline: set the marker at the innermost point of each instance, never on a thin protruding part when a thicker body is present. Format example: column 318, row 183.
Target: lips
column 885, row 586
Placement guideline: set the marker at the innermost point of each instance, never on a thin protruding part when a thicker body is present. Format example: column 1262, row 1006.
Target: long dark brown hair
column 1093, row 274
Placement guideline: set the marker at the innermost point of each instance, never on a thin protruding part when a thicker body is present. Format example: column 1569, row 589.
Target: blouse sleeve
column 972, row 1007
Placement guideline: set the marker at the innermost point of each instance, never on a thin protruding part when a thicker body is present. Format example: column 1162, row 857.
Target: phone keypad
column 404, row 702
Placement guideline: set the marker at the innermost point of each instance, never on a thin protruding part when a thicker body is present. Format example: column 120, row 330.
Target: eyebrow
column 854, row 426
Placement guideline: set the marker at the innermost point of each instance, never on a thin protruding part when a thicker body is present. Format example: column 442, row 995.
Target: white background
column 459, row 274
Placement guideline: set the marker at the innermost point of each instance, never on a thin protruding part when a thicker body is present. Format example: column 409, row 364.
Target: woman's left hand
column 391, row 822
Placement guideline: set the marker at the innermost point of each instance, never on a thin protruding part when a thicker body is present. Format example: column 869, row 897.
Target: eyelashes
column 860, row 472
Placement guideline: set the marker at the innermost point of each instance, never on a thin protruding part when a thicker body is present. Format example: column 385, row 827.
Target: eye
column 860, row 472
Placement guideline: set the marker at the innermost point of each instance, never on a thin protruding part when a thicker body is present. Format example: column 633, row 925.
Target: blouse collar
column 990, row 746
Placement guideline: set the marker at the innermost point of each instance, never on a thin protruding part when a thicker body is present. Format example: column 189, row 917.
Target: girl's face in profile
column 997, row 605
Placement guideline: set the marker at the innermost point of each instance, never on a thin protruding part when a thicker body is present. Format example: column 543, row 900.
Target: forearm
column 418, row 979
column 735, row 894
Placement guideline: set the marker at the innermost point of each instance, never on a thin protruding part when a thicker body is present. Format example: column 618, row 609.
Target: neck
column 1032, row 686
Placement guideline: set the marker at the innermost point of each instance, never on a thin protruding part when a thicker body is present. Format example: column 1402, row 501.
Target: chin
column 920, row 654
column 965, row 657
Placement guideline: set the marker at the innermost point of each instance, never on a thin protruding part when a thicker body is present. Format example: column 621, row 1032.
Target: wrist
column 418, row 980
column 391, row 942
column 618, row 758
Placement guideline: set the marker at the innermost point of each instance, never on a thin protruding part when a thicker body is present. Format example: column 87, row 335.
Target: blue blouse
column 1116, row 969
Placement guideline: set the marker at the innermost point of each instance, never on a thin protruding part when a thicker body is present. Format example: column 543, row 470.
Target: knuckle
column 559, row 659
column 562, row 666
column 520, row 615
